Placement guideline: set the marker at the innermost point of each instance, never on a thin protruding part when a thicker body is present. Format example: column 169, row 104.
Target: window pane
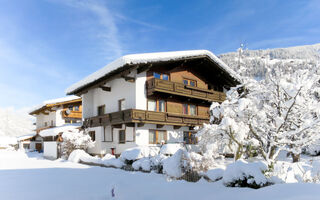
column 192, row 83
column 185, row 109
column 76, row 108
column 185, row 82
column 165, row 77
column 193, row 110
column 152, row 105
column 122, row 104
column 156, row 75
column 162, row 106
column 70, row 108
column 122, row 136
column 161, row 137
column 152, row 137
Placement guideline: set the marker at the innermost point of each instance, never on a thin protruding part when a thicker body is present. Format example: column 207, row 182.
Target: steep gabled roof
column 54, row 102
column 136, row 59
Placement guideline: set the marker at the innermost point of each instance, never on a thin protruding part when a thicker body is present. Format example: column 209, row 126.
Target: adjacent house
column 53, row 117
column 151, row 99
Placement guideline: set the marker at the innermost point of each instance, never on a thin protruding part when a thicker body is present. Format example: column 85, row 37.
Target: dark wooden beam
column 105, row 88
column 130, row 124
column 176, row 127
column 160, row 125
column 129, row 79
column 140, row 124
column 143, row 68
column 117, row 126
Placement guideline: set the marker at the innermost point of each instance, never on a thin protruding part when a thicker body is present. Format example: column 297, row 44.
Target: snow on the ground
column 28, row 176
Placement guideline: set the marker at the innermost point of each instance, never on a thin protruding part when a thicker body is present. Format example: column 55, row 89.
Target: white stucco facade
column 53, row 118
column 134, row 94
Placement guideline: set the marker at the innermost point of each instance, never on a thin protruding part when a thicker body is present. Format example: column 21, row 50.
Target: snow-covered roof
column 56, row 130
column 28, row 136
column 134, row 59
column 54, row 101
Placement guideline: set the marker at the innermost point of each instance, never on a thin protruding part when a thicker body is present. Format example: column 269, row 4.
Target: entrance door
column 38, row 147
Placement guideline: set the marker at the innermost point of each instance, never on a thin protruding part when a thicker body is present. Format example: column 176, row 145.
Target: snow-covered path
column 31, row 177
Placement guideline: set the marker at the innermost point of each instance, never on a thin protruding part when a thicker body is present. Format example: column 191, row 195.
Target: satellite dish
column 68, row 111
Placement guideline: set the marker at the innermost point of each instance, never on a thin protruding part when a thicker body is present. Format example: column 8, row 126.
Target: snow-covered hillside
column 255, row 63
column 15, row 122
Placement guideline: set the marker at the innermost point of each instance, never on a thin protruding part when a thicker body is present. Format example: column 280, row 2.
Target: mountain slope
column 255, row 63
column 15, row 123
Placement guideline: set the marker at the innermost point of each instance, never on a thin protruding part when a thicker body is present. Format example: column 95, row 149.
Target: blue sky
column 47, row 45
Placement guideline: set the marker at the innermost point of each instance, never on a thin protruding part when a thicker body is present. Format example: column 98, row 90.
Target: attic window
column 161, row 76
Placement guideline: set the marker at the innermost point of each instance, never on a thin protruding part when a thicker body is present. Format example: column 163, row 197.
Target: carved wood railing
column 159, row 85
column 143, row 116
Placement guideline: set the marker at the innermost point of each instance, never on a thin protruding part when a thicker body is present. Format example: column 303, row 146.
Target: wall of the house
column 135, row 136
column 133, row 92
column 50, row 150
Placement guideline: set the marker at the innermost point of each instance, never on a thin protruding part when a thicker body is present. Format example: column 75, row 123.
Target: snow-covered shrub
column 78, row 155
column 75, row 139
column 170, row 149
column 136, row 153
column 111, row 161
column 244, row 174
column 172, row 166
column 215, row 174
column 143, row 164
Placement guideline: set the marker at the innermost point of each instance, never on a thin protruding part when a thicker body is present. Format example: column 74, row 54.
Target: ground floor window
column 122, row 136
column 26, row 146
column 190, row 137
column 157, row 137
column 92, row 134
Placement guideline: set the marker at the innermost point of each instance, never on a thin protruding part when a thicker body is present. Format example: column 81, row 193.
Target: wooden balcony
column 143, row 116
column 72, row 114
column 164, row 86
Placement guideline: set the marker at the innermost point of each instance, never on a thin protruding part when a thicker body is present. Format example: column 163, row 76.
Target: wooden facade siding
column 143, row 116
column 158, row 85
column 73, row 114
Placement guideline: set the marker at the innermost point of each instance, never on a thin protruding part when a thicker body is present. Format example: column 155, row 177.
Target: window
column 70, row 108
column 161, row 76
column 51, row 122
column 189, row 109
column 122, row 136
column 45, row 124
column 92, row 134
column 76, row 108
column 101, row 110
column 68, row 121
column 193, row 109
column 190, row 137
column 152, row 105
column 157, row 136
column 157, row 105
column 122, row 104
column 190, row 82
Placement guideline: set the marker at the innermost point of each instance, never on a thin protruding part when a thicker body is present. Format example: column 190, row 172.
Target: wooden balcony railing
column 159, row 85
column 72, row 114
column 143, row 116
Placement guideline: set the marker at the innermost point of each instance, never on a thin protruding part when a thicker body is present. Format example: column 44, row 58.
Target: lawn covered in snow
column 29, row 176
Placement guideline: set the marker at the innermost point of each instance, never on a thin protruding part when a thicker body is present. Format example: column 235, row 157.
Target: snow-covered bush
column 136, row 153
column 78, row 155
column 215, row 174
column 170, row 149
column 173, row 166
column 244, row 174
column 75, row 139
column 111, row 161
column 143, row 164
